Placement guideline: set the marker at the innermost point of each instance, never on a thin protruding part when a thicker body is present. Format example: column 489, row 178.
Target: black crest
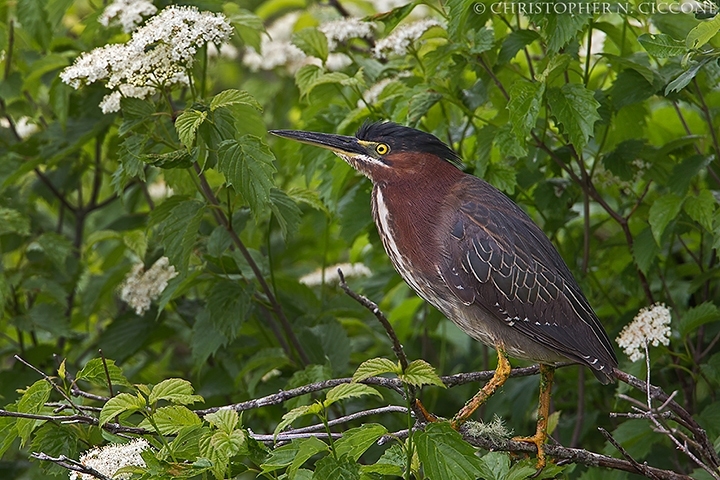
column 406, row 139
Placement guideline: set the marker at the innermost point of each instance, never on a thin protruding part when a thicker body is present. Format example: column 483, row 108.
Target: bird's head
column 382, row 151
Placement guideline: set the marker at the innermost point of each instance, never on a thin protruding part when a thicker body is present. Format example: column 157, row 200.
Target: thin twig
column 70, row 464
column 375, row 310
column 641, row 468
column 349, row 418
column 54, row 385
column 107, row 372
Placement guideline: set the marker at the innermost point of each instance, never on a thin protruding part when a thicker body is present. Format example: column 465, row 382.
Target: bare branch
column 70, row 464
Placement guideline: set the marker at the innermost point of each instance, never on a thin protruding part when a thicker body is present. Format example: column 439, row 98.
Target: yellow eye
column 382, row 149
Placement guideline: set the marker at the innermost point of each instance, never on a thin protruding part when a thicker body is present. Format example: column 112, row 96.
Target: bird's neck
column 407, row 214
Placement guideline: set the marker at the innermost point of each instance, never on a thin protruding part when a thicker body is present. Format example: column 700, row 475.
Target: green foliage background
column 613, row 153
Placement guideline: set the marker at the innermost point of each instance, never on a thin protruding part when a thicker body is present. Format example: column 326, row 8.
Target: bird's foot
column 539, row 441
column 420, row 409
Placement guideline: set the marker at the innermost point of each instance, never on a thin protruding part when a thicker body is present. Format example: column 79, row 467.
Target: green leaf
column 645, row 249
column 348, row 390
column 282, row 456
column 286, row 212
column 445, row 455
column 174, row 390
column 575, row 108
column 496, row 465
column 341, row 469
column 56, row 247
column 356, row 441
column 229, row 303
column 248, row 25
column 119, row 404
column 176, row 159
column 660, row 45
column 524, row 106
column 662, row 212
column 32, row 16
column 32, row 401
column 178, row 222
column 419, row 105
column 514, row 42
column 55, row 440
column 311, row 41
column 94, row 372
column 231, row 97
column 703, row 33
column 695, row 317
column 510, row 145
column 701, row 208
column 8, row 433
column 306, row 449
column 187, row 124
column 12, row 221
column 419, row 373
column 172, row 419
column 375, row 367
column 620, row 160
column 135, row 113
column 293, row 415
column 392, row 18
column 247, row 164
column 686, row 77
column 224, row 419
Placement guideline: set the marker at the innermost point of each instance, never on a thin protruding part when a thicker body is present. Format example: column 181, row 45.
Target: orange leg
column 502, row 372
column 546, row 378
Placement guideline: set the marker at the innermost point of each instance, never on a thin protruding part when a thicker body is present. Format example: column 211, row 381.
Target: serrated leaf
column 229, row 303
column 306, row 449
column 348, row 390
column 575, row 108
column 662, row 212
column 311, row 41
column 686, row 77
column 176, row 159
column 375, row 367
column 172, row 419
column 187, row 124
column 33, row 18
column 514, row 42
column 419, row 105
column 524, row 106
column 94, row 372
column 695, row 317
column 336, row 469
column 445, row 455
column 509, row 144
column 8, row 433
column 231, row 97
column 702, row 33
column 356, row 441
column 224, row 419
column 247, row 164
column 12, row 221
column 119, row 404
column 308, row 197
column 305, row 77
column 419, row 372
column 660, row 45
column 645, row 249
column 293, row 415
column 32, row 401
column 178, row 222
column 174, row 390
column 286, row 212
column 701, row 208
column 55, row 440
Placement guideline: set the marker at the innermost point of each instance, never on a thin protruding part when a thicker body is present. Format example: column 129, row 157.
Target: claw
column 420, row 408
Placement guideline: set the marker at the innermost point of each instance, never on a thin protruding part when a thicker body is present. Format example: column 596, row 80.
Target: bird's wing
column 502, row 262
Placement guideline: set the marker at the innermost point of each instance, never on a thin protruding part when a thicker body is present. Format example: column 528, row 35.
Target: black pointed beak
column 348, row 146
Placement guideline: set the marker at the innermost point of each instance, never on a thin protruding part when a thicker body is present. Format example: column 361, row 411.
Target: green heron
column 470, row 251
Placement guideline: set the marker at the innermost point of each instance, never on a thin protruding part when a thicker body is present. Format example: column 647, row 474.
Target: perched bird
column 470, row 251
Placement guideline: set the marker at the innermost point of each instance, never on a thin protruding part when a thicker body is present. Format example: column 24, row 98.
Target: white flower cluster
column 331, row 274
column 127, row 13
column 344, row 29
column 403, row 37
column 650, row 326
column 157, row 55
column 276, row 49
column 140, row 288
column 111, row 458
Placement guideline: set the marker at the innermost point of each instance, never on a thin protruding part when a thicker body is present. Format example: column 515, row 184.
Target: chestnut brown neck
column 411, row 203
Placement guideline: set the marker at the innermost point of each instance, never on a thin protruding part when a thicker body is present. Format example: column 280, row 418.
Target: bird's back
column 511, row 285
